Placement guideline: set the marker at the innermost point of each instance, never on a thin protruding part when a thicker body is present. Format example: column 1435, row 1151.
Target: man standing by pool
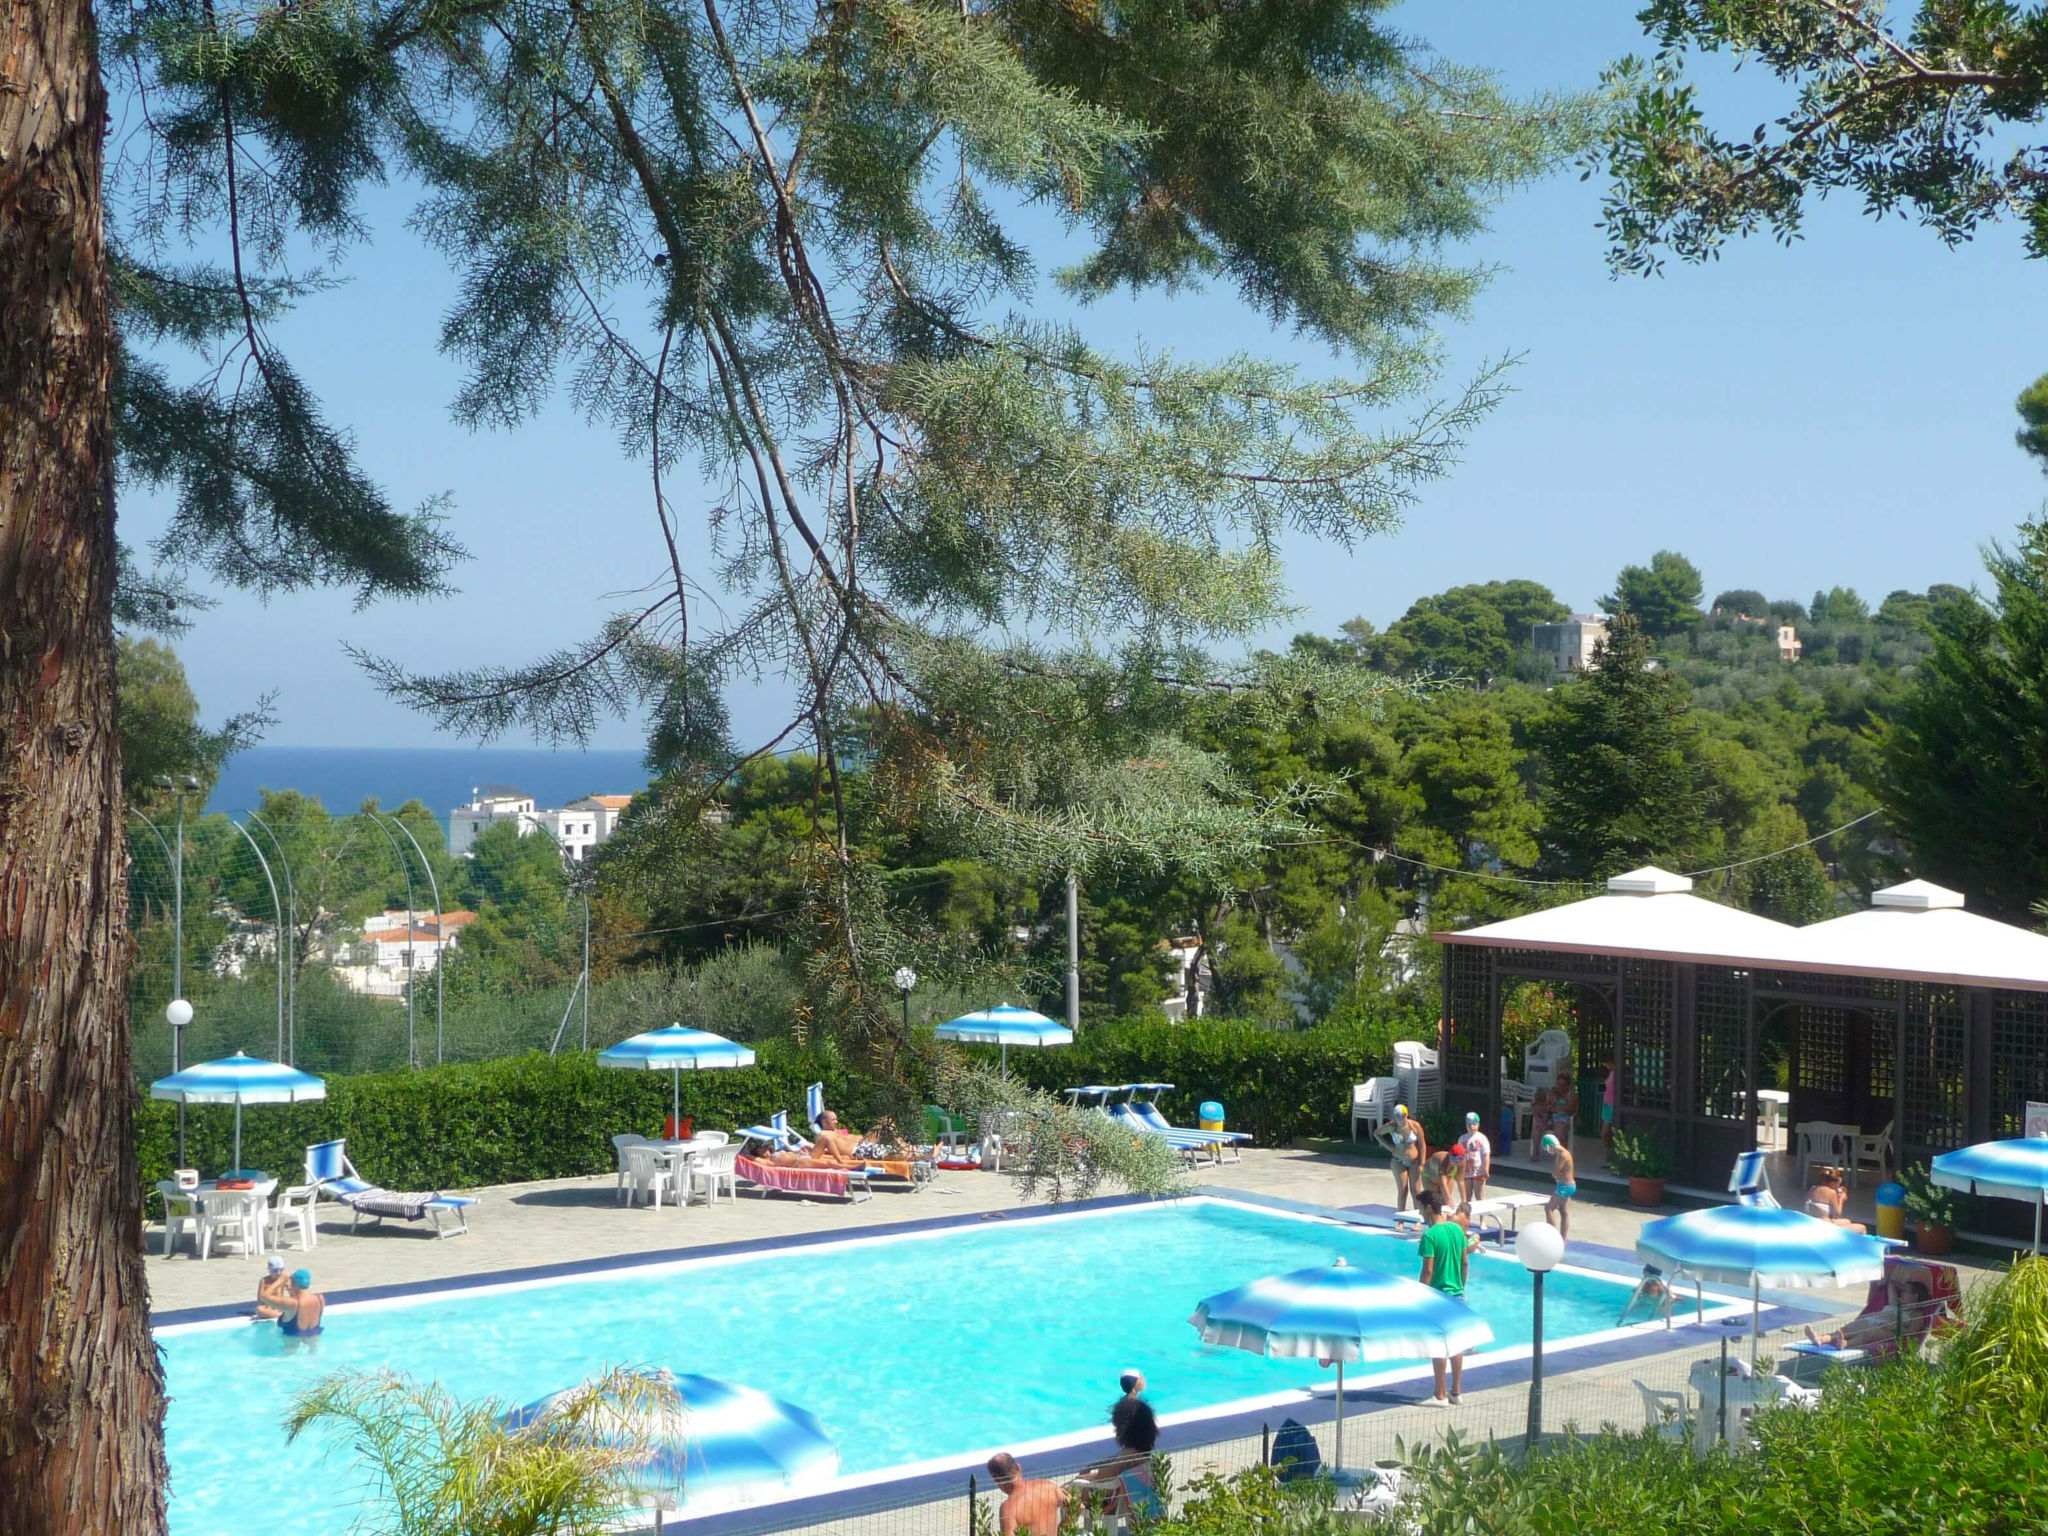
column 1566, row 1174
column 1443, row 1269
column 1031, row 1505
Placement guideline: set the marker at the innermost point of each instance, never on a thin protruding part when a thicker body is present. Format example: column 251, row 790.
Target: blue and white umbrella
column 676, row 1050
column 724, row 1446
column 239, row 1079
column 1760, row 1245
column 1005, row 1026
column 2005, row 1170
column 1337, row 1313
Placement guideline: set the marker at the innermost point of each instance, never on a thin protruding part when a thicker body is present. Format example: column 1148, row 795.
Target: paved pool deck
column 525, row 1226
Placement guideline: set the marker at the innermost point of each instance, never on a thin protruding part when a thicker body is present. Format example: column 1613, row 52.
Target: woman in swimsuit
column 1828, row 1197
column 303, row 1308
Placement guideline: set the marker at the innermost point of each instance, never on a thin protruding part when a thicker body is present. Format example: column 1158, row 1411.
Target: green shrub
column 493, row 1122
column 1639, row 1155
column 1277, row 1084
column 1928, row 1201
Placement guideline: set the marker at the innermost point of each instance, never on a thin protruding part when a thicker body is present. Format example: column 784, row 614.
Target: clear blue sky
column 1839, row 411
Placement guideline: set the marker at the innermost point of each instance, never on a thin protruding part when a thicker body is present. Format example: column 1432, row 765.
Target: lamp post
column 178, row 1015
column 440, row 938
column 291, row 984
column 412, row 1055
column 1539, row 1248
column 906, row 978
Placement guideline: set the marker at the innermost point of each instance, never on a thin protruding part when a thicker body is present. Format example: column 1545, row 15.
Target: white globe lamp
column 179, row 1013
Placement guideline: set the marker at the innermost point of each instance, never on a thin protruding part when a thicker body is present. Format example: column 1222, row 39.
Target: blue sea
column 341, row 778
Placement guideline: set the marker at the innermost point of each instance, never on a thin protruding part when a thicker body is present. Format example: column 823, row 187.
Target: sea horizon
column 443, row 778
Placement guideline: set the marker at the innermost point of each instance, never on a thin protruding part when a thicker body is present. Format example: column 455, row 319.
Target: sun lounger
column 334, row 1177
column 834, row 1183
column 1144, row 1104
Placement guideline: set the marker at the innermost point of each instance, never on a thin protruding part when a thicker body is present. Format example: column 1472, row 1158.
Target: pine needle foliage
column 789, row 248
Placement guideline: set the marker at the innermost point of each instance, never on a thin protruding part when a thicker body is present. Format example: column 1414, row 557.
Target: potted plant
column 1640, row 1158
column 1934, row 1210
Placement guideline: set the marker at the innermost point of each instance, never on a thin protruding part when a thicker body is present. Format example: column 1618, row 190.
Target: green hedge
column 494, row 1122
column 1277, row 1084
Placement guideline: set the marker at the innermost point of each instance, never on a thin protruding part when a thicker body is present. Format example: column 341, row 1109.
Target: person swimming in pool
column 1565, row 1172
column 303, row 1307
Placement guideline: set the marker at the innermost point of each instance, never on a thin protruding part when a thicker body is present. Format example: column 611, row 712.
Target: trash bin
column 1212, row 1115
column 1891, row 1210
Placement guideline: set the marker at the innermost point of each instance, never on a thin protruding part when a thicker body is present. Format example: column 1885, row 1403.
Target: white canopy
column 1648, row 913
column 1920, row 932
column 1911, row 932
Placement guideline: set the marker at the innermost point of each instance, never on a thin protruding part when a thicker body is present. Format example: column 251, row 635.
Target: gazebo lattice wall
column 1945, row 1065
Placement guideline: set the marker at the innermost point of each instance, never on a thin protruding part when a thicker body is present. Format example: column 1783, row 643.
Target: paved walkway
column 522, row 1225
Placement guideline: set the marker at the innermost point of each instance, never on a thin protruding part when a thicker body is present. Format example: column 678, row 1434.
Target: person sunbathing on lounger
column 835, row 1144
column 1906, row 1316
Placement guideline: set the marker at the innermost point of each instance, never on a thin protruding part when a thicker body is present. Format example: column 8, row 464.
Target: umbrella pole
column 1004, row 1047
column 675, row 1114
column 2040, row 1199
column 1340, row 1415
column 238, row 1135
column 1755, row 1318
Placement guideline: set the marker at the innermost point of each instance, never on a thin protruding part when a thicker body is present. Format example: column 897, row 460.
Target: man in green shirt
column 1443, row 1269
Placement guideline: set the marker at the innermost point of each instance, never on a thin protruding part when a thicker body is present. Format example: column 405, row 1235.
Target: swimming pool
column 910, row 1347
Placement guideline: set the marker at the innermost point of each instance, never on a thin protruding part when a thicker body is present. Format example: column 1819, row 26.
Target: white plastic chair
column 1875, row 1153
column 1421, row 1079
column 712, row 1138
column 1373, row 1102
column 1544, row 1055
column 234, row 1219
column 1668, row 1413
column 648, row 1174
column 620, row 1144
column 1819, row 1141
column 709, row 1170
column 293, row 1213
column 181, row 1215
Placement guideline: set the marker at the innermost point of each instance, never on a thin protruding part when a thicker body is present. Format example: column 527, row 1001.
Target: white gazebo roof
column 1648, row 913
column 1920, row 932
column 1917, row 931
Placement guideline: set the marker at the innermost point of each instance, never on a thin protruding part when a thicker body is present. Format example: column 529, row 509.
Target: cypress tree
column 1621, row 774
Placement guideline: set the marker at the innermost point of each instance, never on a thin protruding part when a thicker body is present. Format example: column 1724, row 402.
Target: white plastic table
column 1774, row 1101
column 679, row 1154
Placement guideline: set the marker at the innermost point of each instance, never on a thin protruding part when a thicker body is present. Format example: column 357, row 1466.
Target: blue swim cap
column 303, row 1279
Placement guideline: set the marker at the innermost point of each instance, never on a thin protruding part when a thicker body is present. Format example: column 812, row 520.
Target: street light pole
column 1540, row 1248
column 179, row 1013
column 412, row 1055
column 276, row 912
column 1073, row 953
column 440, row 939
column 291, row 901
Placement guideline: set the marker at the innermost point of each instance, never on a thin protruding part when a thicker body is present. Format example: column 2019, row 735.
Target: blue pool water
column 922, row 1346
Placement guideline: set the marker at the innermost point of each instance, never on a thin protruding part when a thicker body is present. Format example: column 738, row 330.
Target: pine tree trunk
column 81, row 1397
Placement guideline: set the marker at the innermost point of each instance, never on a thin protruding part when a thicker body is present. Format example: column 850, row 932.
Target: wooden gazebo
column 1912, row 1013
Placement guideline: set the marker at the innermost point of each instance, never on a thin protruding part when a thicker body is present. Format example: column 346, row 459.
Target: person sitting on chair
column 1136, row 1429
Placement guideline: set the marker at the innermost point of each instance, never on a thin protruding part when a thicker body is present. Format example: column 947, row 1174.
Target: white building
column 1569, row 645
column 377, row 964
column 576, row 828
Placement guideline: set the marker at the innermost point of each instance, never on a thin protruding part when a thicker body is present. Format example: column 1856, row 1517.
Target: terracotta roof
column 613, row 802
